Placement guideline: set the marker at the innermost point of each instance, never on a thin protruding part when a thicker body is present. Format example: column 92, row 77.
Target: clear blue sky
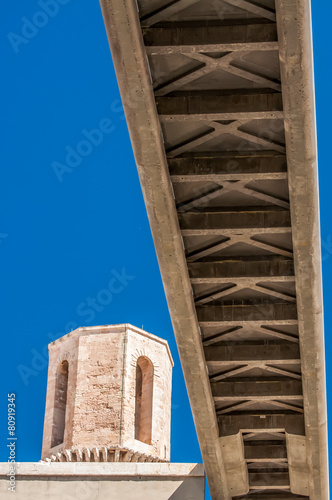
column 60, row 242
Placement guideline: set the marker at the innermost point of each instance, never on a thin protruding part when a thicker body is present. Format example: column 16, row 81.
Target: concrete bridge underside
column 219, row 100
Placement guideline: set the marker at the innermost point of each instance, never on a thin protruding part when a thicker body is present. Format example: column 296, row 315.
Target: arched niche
column 144, row 400
column 60, row 404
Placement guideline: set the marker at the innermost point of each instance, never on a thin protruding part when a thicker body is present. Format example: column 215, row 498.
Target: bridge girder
column 219, row 101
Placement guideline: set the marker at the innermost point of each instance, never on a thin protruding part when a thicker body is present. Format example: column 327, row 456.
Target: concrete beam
column 297, row 76
column 133, row 74
column 269, row 480
column 263, row 313
column 275, row 495
column 182, row 39
column 265, row 323
column 223, row 219
column 265, row 452
column 229, row 270
column 228, row 168
column 200, row 106
column 249, row 352
column 232, row 424
column 250, row 389
column 242, row 282
column 248, row 235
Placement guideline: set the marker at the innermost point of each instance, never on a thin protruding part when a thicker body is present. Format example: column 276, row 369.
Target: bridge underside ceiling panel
column 207, row 89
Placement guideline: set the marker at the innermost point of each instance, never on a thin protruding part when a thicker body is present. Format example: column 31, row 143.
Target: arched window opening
column 60, row 403
column 144, row 400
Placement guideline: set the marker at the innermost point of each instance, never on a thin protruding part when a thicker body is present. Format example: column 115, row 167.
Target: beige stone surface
column 101, row 395
column 95, row 481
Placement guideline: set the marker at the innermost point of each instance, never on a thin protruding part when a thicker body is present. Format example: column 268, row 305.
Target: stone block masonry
column 108, row 396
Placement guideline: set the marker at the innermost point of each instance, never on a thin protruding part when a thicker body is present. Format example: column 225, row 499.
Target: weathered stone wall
column 138, row 346
column 97, row 413
column 65, row 349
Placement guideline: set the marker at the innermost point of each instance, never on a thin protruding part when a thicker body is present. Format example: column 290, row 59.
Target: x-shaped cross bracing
column 227, row 187
column 271, row 332
column 176, row 6
column 270, row 366
column 236, row 287
column 228, row 63
column 218, row 129
column 247, row 403
column 243, row 238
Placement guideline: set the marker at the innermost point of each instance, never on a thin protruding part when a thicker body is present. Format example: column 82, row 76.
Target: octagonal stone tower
column 108, row 396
